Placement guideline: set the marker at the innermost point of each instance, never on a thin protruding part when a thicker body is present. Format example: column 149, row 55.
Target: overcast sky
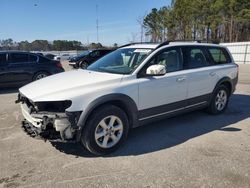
column 74, row 19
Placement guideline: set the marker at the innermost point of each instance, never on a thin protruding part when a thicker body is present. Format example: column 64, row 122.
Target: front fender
column 129, row 104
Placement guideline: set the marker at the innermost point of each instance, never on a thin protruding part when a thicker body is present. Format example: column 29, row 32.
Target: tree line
column 212, row 20
column 44, row 45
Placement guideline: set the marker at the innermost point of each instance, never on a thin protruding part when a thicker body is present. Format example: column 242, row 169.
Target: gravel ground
column 192, row 150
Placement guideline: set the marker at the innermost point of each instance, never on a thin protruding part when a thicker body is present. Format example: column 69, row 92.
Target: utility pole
column 97, row 25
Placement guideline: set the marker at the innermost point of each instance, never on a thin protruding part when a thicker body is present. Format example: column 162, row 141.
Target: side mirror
column 156, row 70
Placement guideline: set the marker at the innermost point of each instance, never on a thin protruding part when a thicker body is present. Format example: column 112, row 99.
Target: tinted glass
column 43, row 59
column 82, row 54
column 218, row 55
column 95, row 54
column 103, row 52
column 195, row 57
column 170, row 58
column 19, row 57
column 33, row 58
column 2, row 58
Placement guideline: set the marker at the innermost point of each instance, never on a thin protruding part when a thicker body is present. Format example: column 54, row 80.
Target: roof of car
column 13, row 51
column 142, row 45
column 155, row 45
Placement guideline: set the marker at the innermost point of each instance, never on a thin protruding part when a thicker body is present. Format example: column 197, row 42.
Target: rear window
column 19, row 57
column 2, row 58
column 219, row 55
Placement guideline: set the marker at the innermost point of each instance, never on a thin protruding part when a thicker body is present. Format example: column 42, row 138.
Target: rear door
column 202, row 76
column 21, row 66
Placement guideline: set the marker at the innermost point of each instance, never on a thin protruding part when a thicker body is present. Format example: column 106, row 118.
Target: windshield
column 121, row 61
column 83, row 54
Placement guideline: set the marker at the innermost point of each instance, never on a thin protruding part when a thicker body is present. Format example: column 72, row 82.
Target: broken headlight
column 52, row 106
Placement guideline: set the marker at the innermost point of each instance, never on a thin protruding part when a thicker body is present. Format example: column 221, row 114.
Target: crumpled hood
column 66, row 85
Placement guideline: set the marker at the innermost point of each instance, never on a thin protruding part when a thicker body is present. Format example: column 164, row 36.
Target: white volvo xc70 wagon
column 134, row 85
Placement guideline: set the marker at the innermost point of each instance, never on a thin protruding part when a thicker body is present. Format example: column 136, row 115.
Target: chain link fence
column 240, row 51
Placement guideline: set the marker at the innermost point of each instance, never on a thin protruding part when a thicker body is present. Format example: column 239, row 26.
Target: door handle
column 212, row 73
column 181, row 79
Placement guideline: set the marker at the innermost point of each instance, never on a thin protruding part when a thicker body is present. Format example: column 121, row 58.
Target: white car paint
column 82, row 86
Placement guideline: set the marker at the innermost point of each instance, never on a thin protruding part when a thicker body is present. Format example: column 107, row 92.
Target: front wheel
column 105, row 130
column 219, row 100
column 83, row 65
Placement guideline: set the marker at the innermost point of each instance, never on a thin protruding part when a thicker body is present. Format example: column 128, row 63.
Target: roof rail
column 168, row 41
column 134, row 43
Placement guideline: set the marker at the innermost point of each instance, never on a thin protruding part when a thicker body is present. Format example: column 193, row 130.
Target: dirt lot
column 192, row 150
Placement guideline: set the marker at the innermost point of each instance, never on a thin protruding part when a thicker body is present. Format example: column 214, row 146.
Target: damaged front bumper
column 49, row 125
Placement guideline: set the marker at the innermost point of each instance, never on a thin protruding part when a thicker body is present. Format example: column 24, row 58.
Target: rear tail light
column 59, row 65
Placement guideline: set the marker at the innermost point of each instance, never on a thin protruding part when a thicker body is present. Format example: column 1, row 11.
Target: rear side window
column 19, row 57
column 2, row 58
column 195, row 57
column 219, row 55
column 43, row 59
column 33, row 58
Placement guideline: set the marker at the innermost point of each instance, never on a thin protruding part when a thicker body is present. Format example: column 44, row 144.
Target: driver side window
column 170, row 58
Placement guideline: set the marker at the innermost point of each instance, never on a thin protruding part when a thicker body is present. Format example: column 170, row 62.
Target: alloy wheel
column 40, row 76
column 221, row 100
column 109, row 131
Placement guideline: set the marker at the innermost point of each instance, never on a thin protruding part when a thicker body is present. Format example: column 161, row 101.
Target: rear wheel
column 219, row 100
column 40, row 75
column 105, row 130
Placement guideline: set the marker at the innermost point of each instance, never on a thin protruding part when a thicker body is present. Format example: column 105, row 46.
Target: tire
column 40, row 75
column 83, row 65
column 100, row 138
column 219, row 100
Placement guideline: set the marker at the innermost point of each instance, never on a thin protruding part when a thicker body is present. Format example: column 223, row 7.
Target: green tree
column 24, row 45
column 152, row 24
column 226, row 21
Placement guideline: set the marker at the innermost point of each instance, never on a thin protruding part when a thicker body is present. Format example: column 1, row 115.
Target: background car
column 57, row 58
column 87, row 58
column 73, row 59
column 50, row 56
column 39, row 53
column 19, row 68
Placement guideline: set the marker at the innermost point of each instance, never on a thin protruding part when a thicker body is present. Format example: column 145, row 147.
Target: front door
column 161, row 95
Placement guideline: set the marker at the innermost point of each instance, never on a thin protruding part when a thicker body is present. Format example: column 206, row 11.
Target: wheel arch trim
column 225, row 80
column 131, row 108
column 221, row 81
